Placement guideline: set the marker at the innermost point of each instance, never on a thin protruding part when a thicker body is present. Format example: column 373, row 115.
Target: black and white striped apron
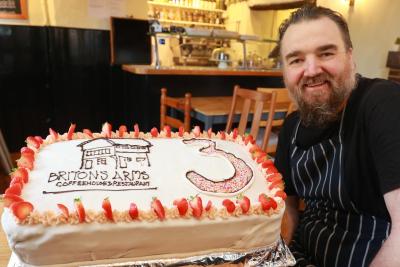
column 331, row 232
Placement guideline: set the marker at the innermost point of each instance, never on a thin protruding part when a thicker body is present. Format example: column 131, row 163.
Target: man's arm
column 389, row 255
column 290, row 218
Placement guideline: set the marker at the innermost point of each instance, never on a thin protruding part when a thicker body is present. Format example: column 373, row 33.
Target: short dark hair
column 312, row 12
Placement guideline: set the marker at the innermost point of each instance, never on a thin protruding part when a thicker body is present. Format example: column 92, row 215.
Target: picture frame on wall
column 13, row 9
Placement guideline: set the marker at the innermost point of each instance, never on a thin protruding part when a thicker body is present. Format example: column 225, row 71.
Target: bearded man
column 340, row 152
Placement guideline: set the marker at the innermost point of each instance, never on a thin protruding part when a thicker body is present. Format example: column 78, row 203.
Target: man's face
column 318, row 69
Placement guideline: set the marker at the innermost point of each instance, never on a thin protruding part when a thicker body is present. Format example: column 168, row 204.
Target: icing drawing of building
column 124, row 152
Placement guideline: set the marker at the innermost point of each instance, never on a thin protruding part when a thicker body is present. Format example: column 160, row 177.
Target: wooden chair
column 182, row 104
column 283, row 101
column 252, row 102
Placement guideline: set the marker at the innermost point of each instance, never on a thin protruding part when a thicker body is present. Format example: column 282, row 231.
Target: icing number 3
column 242, row 176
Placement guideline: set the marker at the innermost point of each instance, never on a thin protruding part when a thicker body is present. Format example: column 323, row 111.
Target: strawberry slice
column 11, row 198
column 249, row 139
column 22, row 173
column 32, row 142
column 26, row 150
column 154, row 132
column 235, row 133
column 244, row 203
column 267, row 163
column 21, row 209
column 17, row 180
column 222, row 135
column 64, row 210
column 39, row 139
column 271, row 169
column 53, row 134
column 181, row 131
column 158, row 208
column 106, row 129
column 88, row 132
column 182, row 205
column 267, row 202
column 281, row 194
column 197, row 206
column 133, row 211
column 107, row 209
column 167, row 130
column 14, row 189
column 208, row 206
column 122, row 129
column 209, row 132
column 229, row 205
column 25, row 161
column 277, row 184
column 196, row 131
column 274, row 177
column 80, row 210
column 71, row 131
column 136, row 130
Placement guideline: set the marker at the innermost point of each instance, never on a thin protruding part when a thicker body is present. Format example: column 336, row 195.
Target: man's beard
column 320, row 112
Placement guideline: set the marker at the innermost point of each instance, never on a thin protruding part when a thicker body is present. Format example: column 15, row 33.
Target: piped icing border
column 183, row 208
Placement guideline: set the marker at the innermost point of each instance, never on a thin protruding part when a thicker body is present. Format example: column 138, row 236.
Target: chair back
column 283, row 101
column 247, row 102
column 182, row 104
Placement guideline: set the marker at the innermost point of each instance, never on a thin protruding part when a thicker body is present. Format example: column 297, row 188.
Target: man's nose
column 312, row 67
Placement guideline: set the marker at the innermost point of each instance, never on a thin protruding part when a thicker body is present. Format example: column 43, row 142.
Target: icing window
column 102, row 161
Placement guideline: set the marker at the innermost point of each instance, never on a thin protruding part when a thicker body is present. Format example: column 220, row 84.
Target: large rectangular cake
column 85, row 198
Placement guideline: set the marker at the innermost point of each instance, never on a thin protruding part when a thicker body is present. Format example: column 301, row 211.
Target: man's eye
column 295, row 61
column 327, row 55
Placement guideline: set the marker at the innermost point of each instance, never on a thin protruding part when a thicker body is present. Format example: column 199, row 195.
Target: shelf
column 191, row 23
column 184, row 7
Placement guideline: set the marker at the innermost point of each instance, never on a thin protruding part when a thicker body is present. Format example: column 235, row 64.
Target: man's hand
column 388, row 255
column 290, row 218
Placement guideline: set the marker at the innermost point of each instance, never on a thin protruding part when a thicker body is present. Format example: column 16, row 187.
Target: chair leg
column 5, row 158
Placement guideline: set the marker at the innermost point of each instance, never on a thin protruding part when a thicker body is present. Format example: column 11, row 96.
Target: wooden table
column 5, row 251
column 215, row 110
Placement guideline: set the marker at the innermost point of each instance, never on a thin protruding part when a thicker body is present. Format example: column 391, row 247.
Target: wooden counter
column 205, row 71
column 5, row 251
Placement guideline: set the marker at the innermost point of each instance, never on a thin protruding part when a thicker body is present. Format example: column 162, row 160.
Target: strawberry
column 106, row 129
column 136, row 130
column 182, row 205
column 277, row 184
column 26, row 161
column 21, row 209
column 248, row 139
column 262, row 158
column 64, row 210
column 133, row 211
column 272, row 169
column 167, row 131
column 39, row 139
column 22, row 173
column 27, row 150
column 274, row 177
column 11, row 198
column 267, row 163
column 32, row 142
column 107, row 209
column 158, row 208
column 281, row 194
column 267, row 203
column 197, row 206
column 208, row 206
column 53, row 134
column 154, row 132
column 14, row 189
column 17, row 180
column 244, row 203
column 122, row 129
column 229, row 205
column 223, row 135
column 181, row 131
column 235, row 133
column 196, row 131
column 209, row 132
column 71, row 131
column 88, row 132
column 254, row 149
column 80, row 210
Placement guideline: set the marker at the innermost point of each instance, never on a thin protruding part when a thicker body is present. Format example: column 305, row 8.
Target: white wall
column 73, row 13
